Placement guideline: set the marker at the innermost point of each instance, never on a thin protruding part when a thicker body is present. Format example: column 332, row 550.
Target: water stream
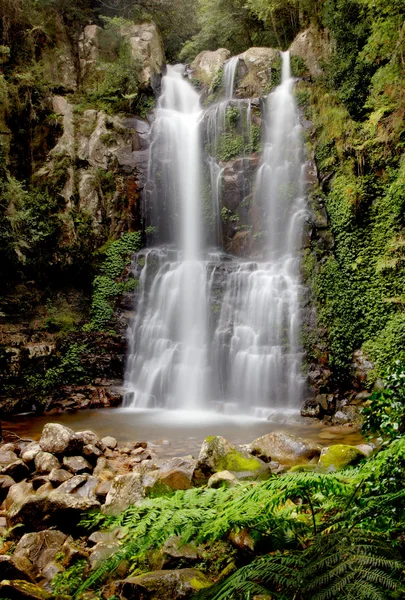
column 245, row 356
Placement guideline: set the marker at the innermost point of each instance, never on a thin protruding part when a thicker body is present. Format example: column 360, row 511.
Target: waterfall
column 210, row 327
column 167, row 340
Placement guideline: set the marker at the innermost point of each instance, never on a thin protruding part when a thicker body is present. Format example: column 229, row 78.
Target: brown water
column 177, row 433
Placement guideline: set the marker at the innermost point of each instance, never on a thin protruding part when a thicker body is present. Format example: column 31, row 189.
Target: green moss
column 200, row 583
column 236, row 461
column 340, row 456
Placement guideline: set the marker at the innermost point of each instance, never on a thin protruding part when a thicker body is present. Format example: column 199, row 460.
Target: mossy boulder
column 23, row 590
column 340, row 456
column 163, row 585
column 217, row 454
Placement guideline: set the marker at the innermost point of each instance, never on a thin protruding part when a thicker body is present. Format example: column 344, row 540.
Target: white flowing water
column 167, row 339
column 247, row 358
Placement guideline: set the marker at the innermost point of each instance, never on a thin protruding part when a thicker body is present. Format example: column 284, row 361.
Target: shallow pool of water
column 177, row 433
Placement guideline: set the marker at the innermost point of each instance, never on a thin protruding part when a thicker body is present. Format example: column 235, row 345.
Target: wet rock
column 40, row 548
column 222, row 479
column 45, row 462
column 105, row 537
column 18, row 470
column 158, row 482
column 50, row 509
column 16, row 567
column 101, row 551
column 73, row 484
column 162, row 585
column 77, row 464
column 367, row 449
column 360, row 367
column 58, row 476
column 109, row 442
column 18, row 492
column 340, row 456
column 58, row 439
column 318, row 407
column 5, row 484
column 125, row 490
column 284, row 448
column 217, row 454
column 45, row 488
column 23, row 590
column 29, row 453
column 71, row 553
column 50, row 570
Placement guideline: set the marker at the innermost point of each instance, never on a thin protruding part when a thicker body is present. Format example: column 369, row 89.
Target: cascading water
column 167, row 340
column 248, row 355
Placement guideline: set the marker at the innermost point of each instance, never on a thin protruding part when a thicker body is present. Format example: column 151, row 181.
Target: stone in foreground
column 125, row 490
column 217, row 454
column 284, row 448
column 23, row 590
column 58, row 439
column 163, row 585
column 340, row 456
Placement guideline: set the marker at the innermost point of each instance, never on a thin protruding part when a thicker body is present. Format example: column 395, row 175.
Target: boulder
column 18, row 470
column 163, row 585
column 50, row 509
column 16, row 567
column 125, row 490
column 313, row 47
column 175, row 553
column 87, row 437
column 222, row 479
column 73, row 484
column 18, row 589
column 87, row 490
column 101, row 551
column 318, row 407
column 59, row 439
column 207, row 64
column 217, row 454
column 40, row 548
column 161, row 482
column 29, row 453
column 58, row 476
column 18, row 492
column 45, row 462
column 7, row 457
column 340, row 456
column 256, row 71
column 284, row 448
column 77, row 464
column 91, row 452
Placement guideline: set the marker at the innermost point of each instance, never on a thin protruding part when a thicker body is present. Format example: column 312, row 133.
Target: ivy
column 108, row 285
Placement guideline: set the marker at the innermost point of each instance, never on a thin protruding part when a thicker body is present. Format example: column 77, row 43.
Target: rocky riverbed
column 47, row 486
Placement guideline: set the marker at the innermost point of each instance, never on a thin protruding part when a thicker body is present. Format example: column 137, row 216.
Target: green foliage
column 230, row 145
column 385, row 411
column 320, row 534
column 60, row 320
column 67, row 582
column 108, row 286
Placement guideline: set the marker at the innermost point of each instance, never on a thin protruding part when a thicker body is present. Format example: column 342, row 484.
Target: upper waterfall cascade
column 211, row 328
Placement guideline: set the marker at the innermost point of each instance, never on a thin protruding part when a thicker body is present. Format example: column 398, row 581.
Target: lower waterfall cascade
column 212, row 330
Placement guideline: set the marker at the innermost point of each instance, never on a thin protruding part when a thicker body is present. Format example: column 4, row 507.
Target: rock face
column 284, row 448
column 217, row 454
column 161, row 585
column 256, row 72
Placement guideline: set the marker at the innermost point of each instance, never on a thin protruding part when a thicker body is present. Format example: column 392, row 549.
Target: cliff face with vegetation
column 77, row 89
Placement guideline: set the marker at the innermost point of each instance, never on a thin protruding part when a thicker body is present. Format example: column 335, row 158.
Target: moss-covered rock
column 23, row 590
column 340, row 456
column 217, row 454
column 163, row 585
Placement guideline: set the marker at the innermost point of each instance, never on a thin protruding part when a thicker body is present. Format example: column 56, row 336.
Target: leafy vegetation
column 109, row 284
column 332, row 535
